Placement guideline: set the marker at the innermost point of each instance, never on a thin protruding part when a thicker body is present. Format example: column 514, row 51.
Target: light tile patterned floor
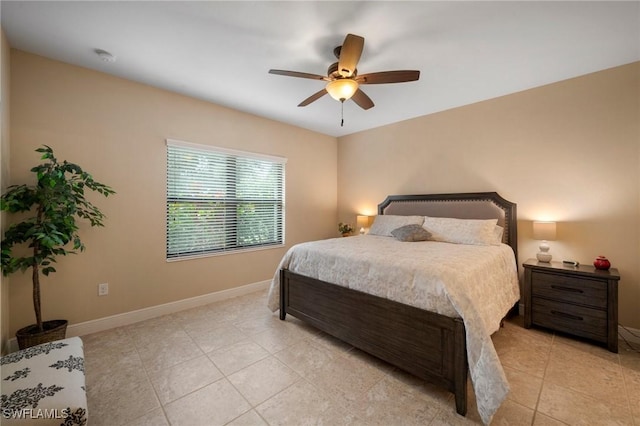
column 235, row 363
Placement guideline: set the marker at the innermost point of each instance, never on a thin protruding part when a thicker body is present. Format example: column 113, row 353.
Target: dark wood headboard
column 472, row 205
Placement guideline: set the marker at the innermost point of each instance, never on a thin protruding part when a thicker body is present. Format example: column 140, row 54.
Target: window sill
column 224, row 253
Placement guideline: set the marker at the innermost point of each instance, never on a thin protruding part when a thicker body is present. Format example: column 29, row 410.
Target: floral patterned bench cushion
column 44, row 385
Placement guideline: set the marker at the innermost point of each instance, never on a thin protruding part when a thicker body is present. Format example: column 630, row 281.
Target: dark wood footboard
column 427, row 345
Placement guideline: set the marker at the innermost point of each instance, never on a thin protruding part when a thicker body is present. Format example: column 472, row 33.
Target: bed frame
column 428, row 345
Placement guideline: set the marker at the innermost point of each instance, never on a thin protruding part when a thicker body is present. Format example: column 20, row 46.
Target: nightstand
column 582, row 300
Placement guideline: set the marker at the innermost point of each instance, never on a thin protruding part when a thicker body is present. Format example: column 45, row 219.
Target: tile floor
column 235, row 363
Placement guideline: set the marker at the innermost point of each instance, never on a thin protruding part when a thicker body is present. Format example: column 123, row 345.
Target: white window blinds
column 221, row 200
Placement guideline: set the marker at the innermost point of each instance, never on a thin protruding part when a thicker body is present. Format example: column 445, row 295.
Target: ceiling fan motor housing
column 332, row 72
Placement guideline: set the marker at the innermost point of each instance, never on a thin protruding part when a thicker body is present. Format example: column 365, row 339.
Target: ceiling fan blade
column 313, row 98
column 350, row 54
column 298, row 74
column 362, row 100
column 388, row 77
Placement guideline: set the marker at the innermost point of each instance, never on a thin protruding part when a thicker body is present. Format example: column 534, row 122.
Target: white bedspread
column 477, row 283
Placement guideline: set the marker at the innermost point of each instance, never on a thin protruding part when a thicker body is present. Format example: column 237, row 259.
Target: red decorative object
column 602, row 263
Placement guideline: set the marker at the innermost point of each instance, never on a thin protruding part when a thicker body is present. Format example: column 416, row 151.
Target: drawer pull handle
column 565, row 315
column 572, row 290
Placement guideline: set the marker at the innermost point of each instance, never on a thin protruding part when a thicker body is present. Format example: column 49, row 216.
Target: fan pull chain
column 341, row 112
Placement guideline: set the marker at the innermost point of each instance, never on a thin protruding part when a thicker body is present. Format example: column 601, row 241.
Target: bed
column 432, row 345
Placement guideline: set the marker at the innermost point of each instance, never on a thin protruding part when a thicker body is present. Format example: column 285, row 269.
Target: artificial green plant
column 50, row 230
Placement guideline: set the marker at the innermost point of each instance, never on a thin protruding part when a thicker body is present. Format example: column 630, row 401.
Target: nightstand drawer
column 577, row 320
column 570, row 289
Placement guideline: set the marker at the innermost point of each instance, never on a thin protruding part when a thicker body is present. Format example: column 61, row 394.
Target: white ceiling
column 221, row 51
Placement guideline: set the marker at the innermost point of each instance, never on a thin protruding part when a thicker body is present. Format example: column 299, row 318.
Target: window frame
column 233, row 156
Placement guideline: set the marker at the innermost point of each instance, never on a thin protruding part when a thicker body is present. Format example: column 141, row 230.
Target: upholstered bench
column 44, row 385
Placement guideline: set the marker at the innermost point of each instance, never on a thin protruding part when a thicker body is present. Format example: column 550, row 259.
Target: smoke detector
column 105, row 56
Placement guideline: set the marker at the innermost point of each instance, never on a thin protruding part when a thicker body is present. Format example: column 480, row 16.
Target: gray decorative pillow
column 411, row 233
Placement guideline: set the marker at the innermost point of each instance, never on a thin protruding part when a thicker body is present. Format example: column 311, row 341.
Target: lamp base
column 544, row 257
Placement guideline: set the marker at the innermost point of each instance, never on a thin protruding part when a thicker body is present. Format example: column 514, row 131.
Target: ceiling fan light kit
column 342, row 89
column 343, row 79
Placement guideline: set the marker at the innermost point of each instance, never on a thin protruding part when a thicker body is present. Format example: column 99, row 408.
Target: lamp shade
column 544, row 231
column 362, row 221
column 342, row 88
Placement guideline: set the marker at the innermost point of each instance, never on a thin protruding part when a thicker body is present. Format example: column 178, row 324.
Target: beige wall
column 4, row 177
column 568, row 152
column 116, row 130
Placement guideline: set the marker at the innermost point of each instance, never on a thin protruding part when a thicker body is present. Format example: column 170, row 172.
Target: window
column 221, row 200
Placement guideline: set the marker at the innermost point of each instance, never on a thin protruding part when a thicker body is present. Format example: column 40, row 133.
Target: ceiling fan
column 342, row 77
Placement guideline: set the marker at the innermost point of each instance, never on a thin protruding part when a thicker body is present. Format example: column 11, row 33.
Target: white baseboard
column 632, row 335
column 119, row 320
column 126, row 318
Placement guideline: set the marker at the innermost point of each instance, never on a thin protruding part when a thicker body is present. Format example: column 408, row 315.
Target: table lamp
column 361, row 223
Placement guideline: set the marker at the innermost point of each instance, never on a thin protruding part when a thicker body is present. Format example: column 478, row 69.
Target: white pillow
column 384, row 224
column 497, row 234
column 462, row 231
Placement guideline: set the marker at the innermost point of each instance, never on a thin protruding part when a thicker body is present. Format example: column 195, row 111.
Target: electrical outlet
column 103, row 289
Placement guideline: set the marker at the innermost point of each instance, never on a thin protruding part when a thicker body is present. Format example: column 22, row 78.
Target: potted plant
column 345, row 229
column 53, row 204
